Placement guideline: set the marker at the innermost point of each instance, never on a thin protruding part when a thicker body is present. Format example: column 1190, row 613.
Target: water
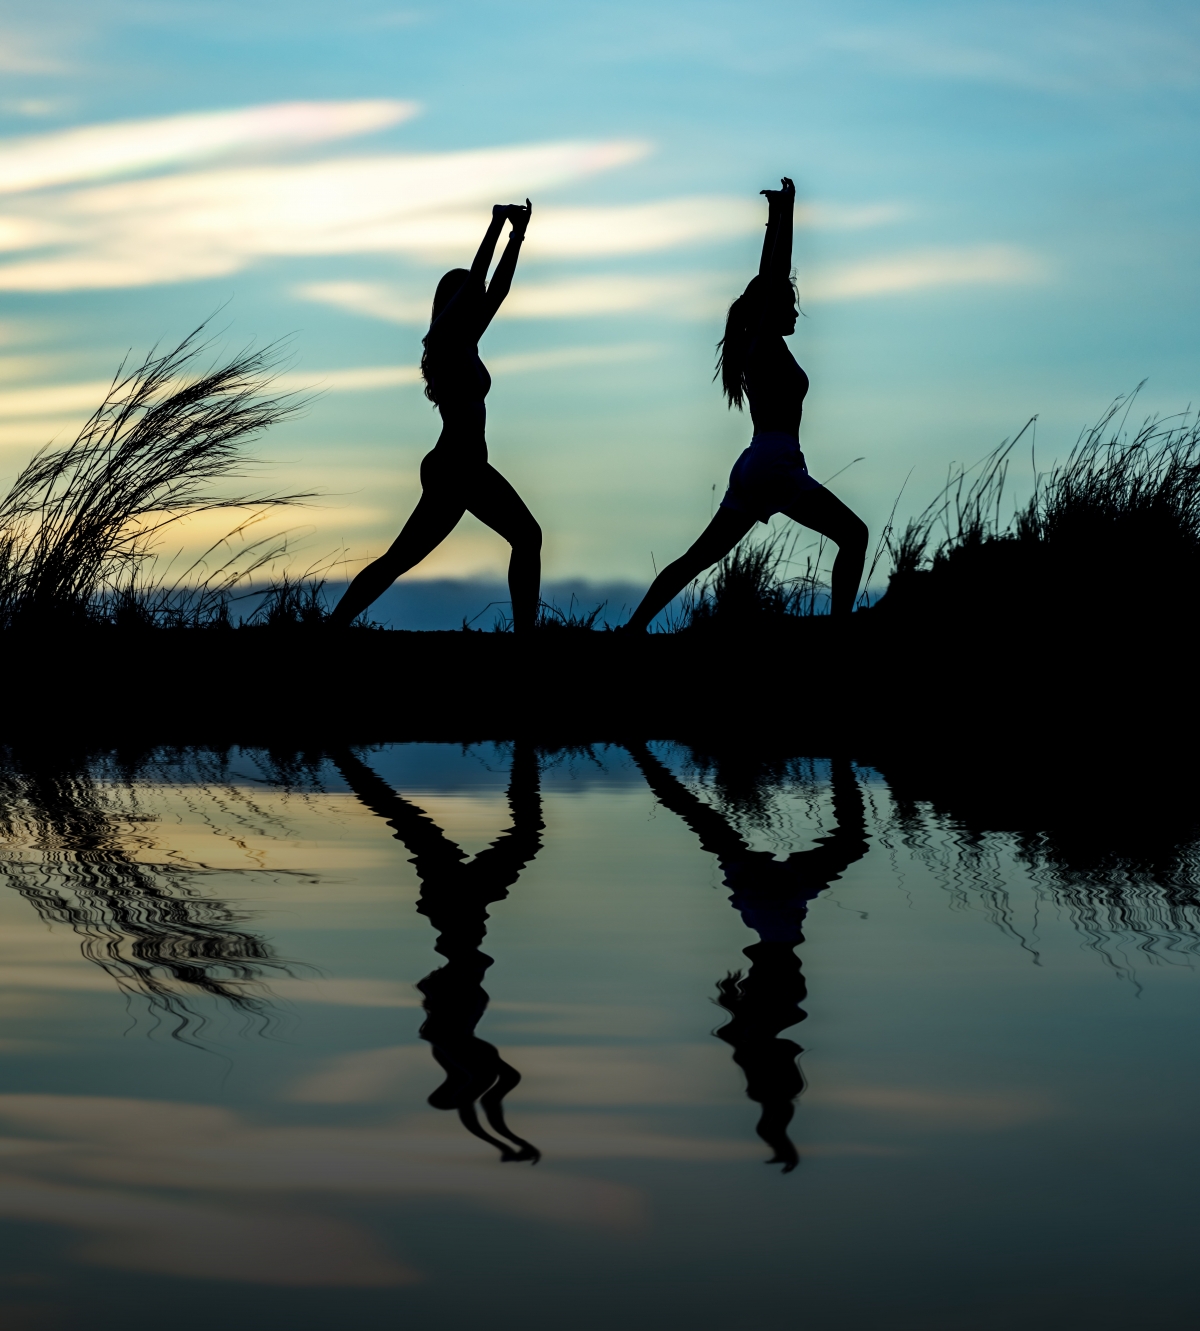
column 215, row 1107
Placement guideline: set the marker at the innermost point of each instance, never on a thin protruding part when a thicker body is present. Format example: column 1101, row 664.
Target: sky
column 996, row 219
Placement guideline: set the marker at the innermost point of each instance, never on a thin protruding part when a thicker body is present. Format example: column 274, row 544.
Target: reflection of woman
column 772, row 896
column 455, row 897
column 456, row 477
column 771, row 476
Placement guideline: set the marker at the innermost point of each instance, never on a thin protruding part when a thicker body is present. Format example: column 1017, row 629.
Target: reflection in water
column 455, row 895
column 772, row 897
column 1118, row 850
column 145, row 924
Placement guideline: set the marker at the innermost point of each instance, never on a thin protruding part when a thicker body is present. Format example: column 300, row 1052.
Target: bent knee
column 853, row 535
column 527, row 539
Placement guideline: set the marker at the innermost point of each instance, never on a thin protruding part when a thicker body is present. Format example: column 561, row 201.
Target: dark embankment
column 1009, row 682
column 1071, row 623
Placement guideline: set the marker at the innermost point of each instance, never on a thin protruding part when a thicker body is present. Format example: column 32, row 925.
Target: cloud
column 981, row 1111
column 378, row 300
column 92, row 152
column 642, row 228
column 680, row 295
column 701, row 295
column 918, row 270
column 595, row 1075
column 687, row 295
column 187, row 221
column 200, row 224
column 202, row 1242
column 345, row 992
column 18, row 55
column 53, row 399
column 115, row 1168
column 31, row 408
column 32, row 106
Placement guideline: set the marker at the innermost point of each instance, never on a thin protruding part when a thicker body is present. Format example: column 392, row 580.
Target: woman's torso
column 775, row 387
column 460, row 383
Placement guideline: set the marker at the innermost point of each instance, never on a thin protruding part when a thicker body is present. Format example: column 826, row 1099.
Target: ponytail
column 742, row 326
column 449, row 287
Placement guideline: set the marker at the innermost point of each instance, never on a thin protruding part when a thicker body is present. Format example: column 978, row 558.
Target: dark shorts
column 769, row 477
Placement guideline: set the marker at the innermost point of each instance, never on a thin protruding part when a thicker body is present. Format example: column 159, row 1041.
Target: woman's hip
column 768, row 477
column 454, row 462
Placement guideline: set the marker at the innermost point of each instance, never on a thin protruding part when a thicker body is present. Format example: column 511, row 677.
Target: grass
column 81, row 524
column 753, row 587
column 1114, row 528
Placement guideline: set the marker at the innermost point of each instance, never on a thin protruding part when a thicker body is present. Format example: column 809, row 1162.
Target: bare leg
column 825, row 513
column 434, row 518
column 720, row 536
column 494, row 501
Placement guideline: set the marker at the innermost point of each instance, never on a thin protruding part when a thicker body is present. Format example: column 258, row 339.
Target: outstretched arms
column 776, row 259
column 471, row 308
column 502, row 278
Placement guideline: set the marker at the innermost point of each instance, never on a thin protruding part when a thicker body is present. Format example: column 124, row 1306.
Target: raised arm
column 487, row 246
column 502, row 278
column 469, row 311
column 777, row 243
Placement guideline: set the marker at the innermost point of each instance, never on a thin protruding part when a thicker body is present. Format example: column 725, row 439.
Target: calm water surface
column 424, row 1036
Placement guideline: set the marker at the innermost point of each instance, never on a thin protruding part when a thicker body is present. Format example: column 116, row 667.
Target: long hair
column 741, row 325
column 449, row 287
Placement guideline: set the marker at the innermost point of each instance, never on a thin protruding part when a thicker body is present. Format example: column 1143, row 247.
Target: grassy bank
column 1055, row 620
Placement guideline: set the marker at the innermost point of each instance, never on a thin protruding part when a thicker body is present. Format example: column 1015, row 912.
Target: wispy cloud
column 197, row 224
column 919, row 270
column 92, row 152
column 66, row 403
column 20, row 55
column 641, row 228
column 187, row 221
column 686, row 295
column 377, row 300
column 702, row 295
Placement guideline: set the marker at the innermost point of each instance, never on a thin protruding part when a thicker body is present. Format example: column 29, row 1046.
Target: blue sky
column 998, row 208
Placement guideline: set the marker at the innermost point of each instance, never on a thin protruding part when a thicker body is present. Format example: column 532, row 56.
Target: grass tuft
column 1115, row 525
column 80, row 523
column 751, row 587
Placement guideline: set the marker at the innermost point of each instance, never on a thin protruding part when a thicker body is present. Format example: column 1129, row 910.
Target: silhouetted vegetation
column 1116, row 527
column 81, row 523
column 753, row 587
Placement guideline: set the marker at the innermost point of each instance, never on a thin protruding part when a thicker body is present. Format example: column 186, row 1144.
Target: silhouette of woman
column 771, row 476
column 456, row 477
column 772, row 897
column 455, row 897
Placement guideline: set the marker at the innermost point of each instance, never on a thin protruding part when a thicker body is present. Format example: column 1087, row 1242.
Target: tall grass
column 754, row 586
column 1117, row 523
column 81, row 523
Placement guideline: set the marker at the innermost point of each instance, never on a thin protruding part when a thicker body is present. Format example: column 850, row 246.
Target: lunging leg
column 434, row 518
column 717, row 539
column 825, row 513
column 494, row 501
